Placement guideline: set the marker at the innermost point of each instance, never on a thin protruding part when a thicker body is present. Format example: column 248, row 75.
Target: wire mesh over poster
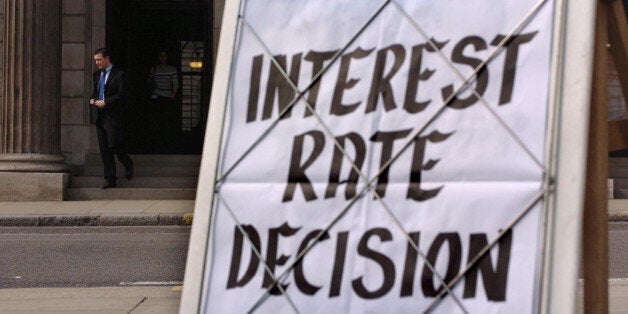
column 390, row 158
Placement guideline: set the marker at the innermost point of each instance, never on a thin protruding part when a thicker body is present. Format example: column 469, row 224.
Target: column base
column 33, row 163
column 33, row 186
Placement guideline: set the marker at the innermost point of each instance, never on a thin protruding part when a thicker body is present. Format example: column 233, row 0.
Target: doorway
column 137, row 30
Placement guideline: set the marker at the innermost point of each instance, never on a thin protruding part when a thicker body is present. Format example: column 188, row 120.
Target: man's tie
column 101, row 85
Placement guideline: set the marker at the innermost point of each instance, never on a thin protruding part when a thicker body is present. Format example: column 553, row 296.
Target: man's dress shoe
column 108, row 185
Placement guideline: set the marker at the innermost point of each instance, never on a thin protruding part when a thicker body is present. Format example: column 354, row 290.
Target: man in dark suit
column 108, row 112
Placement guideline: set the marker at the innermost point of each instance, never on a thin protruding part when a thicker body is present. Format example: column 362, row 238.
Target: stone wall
column 75, row 83
column 83, row 31
column 219, row 6
column 1, row 45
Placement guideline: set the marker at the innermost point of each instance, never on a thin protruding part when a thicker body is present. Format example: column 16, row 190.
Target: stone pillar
column 31, row 165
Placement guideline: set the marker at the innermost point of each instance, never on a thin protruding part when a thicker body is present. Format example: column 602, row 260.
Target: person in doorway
column 108, row 101
column 164, row 79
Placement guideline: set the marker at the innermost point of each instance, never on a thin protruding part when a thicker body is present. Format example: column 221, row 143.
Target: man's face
column 101, row 62
column 163, row 58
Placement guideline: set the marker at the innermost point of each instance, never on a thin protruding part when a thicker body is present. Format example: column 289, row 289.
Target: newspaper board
column 379, row 155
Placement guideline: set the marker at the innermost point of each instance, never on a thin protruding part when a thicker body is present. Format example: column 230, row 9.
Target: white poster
column 372, row 149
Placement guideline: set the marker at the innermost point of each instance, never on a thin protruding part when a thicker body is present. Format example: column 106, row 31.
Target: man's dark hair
column 103, row 51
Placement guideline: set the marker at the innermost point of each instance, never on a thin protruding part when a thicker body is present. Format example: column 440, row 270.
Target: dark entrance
column 136, row 31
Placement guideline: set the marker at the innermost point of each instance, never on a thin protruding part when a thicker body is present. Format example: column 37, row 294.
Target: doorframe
column 98, row 37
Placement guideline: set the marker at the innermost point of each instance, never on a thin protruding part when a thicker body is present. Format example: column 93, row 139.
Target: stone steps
column 157, row 177
column 118, row 193
column 620, row 194
column 620, row 183
column 153, row 160
column 145, row 171
column 137, row 182
column 618, row 174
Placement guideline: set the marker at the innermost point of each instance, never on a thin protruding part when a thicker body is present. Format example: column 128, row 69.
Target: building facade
column 47, row 66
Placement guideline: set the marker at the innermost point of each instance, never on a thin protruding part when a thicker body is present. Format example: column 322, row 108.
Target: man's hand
column 99, row 103
column 91, row 101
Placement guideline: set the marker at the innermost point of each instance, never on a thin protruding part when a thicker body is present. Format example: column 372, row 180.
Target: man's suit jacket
column 112, row 117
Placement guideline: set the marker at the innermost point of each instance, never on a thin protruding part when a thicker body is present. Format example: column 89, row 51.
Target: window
column 191, row 73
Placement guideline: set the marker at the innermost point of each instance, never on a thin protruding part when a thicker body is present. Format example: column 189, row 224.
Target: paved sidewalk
column 139, row 212
column 618, row 210
column 161, row 299
column 617, row 296
column 136, row 300
column 165, row 299
column 97, row 213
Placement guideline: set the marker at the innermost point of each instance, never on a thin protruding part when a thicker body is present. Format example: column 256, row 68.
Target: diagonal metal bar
column 467, row 81
column 342, row 213
column 373, row 189
column 369, row 186
column 315, row 79
column 486, row 248
column 370, row 182
column 446, row 287
column 311, row 244
column 414, row 135
column 360, row 173
column 420, row 130
column 298, row 96
column 532, row 12
column 257, row 252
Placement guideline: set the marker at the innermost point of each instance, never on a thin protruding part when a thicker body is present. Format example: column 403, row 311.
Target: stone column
column 31, row 165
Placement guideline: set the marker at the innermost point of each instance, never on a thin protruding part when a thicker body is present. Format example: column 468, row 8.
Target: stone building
column 48, row 149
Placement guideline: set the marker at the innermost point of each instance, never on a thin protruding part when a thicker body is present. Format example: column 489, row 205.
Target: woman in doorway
column 164, row 80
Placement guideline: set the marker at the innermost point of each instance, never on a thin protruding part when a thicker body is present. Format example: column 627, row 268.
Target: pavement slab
column 165, row 299
column 162, row 299
column 97, row 213
column 171, row 207
column 138, row 212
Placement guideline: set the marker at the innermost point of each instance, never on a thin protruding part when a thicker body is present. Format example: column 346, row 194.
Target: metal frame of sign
column 571, row 70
